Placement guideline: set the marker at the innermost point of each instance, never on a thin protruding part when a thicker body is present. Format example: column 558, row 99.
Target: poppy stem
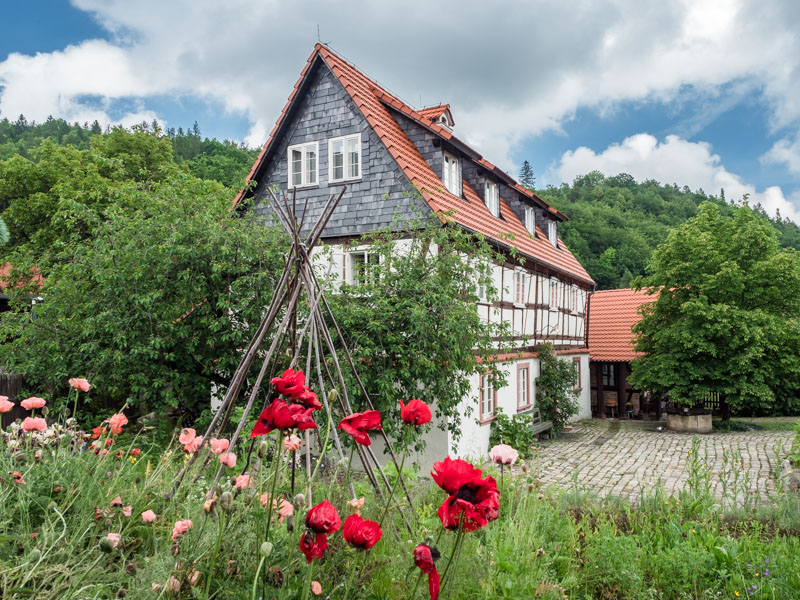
column 271, row 500
column 416, row 585
column 450, row 561
column 308, row 582
column 396, row 480
column 216, row 552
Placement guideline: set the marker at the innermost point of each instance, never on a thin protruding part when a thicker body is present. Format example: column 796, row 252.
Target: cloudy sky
column 699, row 93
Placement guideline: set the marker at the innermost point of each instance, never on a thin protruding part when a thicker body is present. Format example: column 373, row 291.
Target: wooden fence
column 10, row 385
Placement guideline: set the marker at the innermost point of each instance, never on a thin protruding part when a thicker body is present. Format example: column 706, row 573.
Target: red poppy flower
column 308, row 399
column 313, row 547
column 291, row 383
column 323, row 518
column 361, row 533
column 416, row 412
column 281, row 415
column 358, row 424
column 97, row 432
column 425, row 558
column 136, row 452
column 473, row 501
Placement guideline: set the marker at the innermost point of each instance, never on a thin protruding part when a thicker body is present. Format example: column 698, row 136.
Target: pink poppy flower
column 5, row 405
column 356, row 505
column 316, row 588
column 187, row 435
column 218, row 446
column 503, row 454
column 292, row 443
column 117, row 501
column 114, row 538
column 32, row 402
column 242, row 481
column 34, row 424
column 285, row 510
column 194, row 578
column 148, row 516
column 116, row 422
column 79, row 383
column 173, row 585
column 180, row 528
column 126, row 510
column 194, row 445
column 228, row 459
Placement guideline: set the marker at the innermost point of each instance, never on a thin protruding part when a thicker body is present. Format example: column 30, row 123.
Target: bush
column 555, row 394
column 516, row 431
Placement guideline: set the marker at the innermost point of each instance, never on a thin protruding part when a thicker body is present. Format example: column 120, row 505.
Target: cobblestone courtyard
column 623, row 458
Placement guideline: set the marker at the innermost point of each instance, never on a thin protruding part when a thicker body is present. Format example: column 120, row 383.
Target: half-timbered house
column 339, row 127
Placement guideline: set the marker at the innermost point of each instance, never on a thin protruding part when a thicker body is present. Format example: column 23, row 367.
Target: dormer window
column 552, row 233
column 303, row 167
column 493, row 198
column 452, row 174
column 530, row 219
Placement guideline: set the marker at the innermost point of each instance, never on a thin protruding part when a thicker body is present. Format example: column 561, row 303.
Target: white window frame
column 488, row 399
column 346, row 165
column 552, row 232
column 451, row 174
column 350, row 262
column 530, row 219
column 519, row 287
column 526, row 396
column 305, row 180
column 493, row 198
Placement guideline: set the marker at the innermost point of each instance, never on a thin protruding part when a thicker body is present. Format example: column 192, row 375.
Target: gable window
column 554, row 285
column 488, row 399
column 361, row 267
column 523, row 386
column 344, row 158
column 303, row 166
column 493, row 198
column 452, row 174
column 552, row 232
column 519, row 288
column 530, row 219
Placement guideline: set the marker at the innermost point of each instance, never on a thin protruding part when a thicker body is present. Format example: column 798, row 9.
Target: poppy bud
column 105, row 545
column 266, row 549
column 226, row 501
column 524, row 468
column 175, row 549
column 45, row 411
column 20, row 458
column 332, row 396
column 130, row 568
column 35, row 555
column 263, row 449
column 290, row 523
column 218, row 491
column 530, row 487
column 121, row 593
column 299, row 501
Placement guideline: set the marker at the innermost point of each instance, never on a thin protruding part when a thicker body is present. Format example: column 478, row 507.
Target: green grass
column 545, row 544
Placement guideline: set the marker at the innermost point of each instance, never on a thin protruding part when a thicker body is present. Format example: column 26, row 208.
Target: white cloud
column 787, row 152
column 673, row 160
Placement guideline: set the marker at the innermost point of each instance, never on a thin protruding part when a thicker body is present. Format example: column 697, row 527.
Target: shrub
column 555, row 395
column 515, row 431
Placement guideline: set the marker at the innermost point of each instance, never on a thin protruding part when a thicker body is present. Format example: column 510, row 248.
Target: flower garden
column 97, row 514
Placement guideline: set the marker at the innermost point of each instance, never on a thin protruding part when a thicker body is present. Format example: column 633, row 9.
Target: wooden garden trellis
column 298, row 276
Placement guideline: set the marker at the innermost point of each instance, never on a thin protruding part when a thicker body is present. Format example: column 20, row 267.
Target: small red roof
column 374, row 101
column 612, row 314
column 5, row 271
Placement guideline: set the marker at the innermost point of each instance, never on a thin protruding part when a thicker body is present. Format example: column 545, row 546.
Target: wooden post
column 621, row 395
column 601, row 394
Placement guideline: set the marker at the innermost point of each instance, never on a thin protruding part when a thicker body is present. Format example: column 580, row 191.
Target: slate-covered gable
column 326, row 111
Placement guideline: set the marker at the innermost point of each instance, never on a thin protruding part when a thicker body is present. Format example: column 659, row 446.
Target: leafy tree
column 153, row 307
column 412, row 323
column 724, row 317
column 555, row 388
column 526, row 176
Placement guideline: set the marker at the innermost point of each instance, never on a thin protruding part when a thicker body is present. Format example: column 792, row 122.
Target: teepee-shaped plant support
column 323, row 365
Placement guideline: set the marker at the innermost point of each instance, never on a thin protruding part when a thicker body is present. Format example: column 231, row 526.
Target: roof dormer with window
column 451, row 173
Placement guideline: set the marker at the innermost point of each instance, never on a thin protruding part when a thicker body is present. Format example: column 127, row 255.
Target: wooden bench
column 540, row 426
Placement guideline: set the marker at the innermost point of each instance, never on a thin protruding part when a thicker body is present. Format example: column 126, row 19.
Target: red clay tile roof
column 372, row 100
column 612, row 313
column 5, row 271
column 433, row 112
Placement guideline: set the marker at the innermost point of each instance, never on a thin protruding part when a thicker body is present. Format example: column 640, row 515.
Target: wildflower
column 34, row 424
column 416, row 412
column 356, row 504
column 425, row 558
column 736, row 593
column 694, row 531
column 281, row 415
column 180, row 528
column 292, row 443
column 358, row 424
column 148, row 516
column 126, row 510
column 5, row 404
column 113, row 539
column 218, row 446
column 79, row 383
column 187, row 435
column 32, row 403
column 228, row 459
column 136, row 452
column 133, row 460
column 285, row 509
column 361, row 533
column 503, row 454
column 242, row 481
column 173, row 585
column 117, row 501
column 18, row 478
column 194, row 578
column 313, row 546
column 109, row 442
column 291, row 383
column 97, row 432
column 117, row 422
column 316, row 588
column 194, row 445
column 473, row 501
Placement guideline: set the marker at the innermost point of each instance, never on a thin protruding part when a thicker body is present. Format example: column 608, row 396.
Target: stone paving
column 624, row 458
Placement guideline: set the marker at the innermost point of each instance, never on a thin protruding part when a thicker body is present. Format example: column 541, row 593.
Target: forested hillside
column 616, row 223
column 226, row 162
